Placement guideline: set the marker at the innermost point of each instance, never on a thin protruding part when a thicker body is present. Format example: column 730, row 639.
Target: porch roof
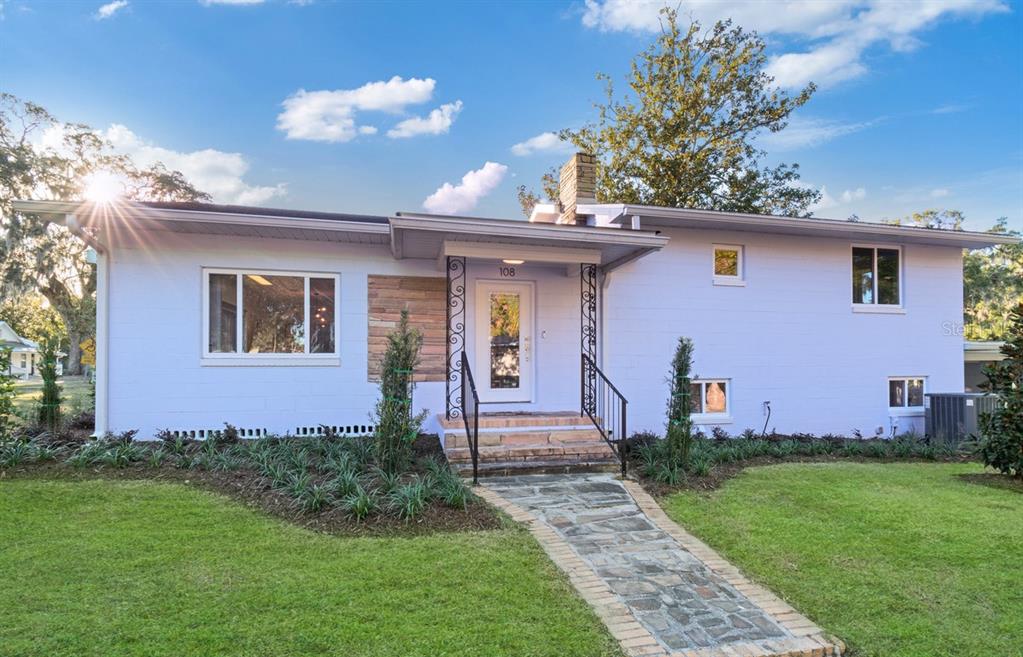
column 416, row 235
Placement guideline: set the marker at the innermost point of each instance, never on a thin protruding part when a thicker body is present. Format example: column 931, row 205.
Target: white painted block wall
column 789, row 336
column 156, row 333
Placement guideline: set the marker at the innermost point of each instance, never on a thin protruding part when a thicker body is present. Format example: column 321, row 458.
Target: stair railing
column 606, row 407
column 470, row 407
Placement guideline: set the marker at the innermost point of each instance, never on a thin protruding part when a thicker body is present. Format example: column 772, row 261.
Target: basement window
column 709, row 399
column 253, row 315
column 906, row 394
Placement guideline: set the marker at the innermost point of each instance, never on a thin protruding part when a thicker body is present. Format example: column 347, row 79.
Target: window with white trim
column 906, row 393
column 876, row 275
column 264, row 313
column 709, row 397
column 727, row 263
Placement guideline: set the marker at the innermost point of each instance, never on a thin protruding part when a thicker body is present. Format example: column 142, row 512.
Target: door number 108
column 507, row 272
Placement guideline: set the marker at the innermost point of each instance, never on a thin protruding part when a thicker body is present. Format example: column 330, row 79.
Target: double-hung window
column 278, row 316
column 906, row 394
column 876, row 276
column 709, row 399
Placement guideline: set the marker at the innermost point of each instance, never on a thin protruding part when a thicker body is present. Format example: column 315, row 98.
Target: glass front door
column 504, row 342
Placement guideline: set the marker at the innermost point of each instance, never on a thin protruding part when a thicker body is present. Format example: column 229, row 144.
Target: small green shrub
column 156, row 458
column 389, row 481
column 453, row 492
column 669, row 474
column 700, row 465
column 344, row 483
column 298, row 483
column 16, row 453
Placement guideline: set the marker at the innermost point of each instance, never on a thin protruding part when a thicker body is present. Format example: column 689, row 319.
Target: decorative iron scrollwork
column 588, row 295
column 455, row 343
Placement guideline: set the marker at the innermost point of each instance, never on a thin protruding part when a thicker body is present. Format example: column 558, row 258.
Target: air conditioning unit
column 952, row 417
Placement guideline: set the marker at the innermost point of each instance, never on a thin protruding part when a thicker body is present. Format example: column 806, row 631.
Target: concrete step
column 496, row 437
column 559, row 466
column 574, row 451
column 517, row 420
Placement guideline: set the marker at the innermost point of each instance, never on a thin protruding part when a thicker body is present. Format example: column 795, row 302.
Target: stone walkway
column 658, row 589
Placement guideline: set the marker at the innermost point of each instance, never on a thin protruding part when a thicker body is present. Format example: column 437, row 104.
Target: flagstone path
column 658, row 589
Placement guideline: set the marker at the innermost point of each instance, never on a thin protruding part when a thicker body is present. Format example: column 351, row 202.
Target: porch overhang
column 435, row 237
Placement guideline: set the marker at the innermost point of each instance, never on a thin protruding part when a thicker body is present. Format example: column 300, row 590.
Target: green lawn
column 897, row 559
column 145, row 568
column 75, row 391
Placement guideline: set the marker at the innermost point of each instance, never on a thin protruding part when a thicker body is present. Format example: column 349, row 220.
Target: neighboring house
column 275, row 320
column 979, row 355
column 25, row 356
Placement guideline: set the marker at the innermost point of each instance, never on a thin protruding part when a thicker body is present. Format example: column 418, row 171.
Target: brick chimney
column 577, row 184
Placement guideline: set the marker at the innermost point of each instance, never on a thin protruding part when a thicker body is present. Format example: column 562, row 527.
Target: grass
column 110, row 568
column 75, row 393
column 899, row 560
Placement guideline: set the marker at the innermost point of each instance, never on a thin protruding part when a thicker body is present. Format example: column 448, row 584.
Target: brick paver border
column 808, row 640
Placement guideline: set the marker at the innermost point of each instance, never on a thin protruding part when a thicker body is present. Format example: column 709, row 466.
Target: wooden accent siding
column 426, row 300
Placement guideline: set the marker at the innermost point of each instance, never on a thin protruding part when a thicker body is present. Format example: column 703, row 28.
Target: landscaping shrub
column 49, row 404
column 7, row 393
column 314, row 498
column 1002, row 430
column 396, row 426
column 680, row 424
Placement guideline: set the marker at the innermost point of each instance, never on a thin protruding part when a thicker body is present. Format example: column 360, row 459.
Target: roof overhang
column 983, row 351
column 432, row 236
column 758, row 223
column 126, row 215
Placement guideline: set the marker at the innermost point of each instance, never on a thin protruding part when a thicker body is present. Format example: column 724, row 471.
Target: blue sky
column 920, row 106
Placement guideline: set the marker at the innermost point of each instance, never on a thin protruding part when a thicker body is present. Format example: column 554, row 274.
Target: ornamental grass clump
column 396, row 425
column 408, row 501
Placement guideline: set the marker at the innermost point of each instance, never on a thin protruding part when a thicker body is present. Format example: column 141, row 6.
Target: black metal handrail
column 470, row 416
column 606, row 407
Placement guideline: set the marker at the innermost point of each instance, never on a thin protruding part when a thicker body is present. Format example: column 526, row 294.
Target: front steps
column 529, row 442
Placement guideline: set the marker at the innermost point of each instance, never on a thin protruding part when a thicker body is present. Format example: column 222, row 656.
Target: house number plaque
column 506, row 272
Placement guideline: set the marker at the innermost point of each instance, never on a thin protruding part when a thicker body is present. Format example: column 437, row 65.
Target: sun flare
column 103, row 187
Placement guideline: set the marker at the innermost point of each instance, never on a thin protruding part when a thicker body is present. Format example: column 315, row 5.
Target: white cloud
column 829, row 202
column 219, row 173
column 330, row 116
column 109, row 9
column 850, row 195
column 455, row 199
column 951, row 108
column 807, row 133
column 435, row 123
column 545, row 142
column 940, row 192
column 840, row 30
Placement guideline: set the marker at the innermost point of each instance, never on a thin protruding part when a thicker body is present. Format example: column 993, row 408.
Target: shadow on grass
column 994, row 480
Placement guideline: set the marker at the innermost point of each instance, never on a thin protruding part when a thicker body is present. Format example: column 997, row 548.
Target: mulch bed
column 252, row 490
column 725, row 471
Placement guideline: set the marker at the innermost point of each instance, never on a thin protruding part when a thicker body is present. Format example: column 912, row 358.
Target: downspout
column 102, row 321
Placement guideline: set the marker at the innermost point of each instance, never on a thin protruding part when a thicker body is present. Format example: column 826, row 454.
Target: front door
column 504, row 341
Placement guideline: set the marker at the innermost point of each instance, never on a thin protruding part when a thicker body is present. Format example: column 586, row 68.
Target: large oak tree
column 43, row 158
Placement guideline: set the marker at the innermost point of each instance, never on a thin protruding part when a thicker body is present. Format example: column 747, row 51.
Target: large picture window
column 876, row 276
column 274, row 314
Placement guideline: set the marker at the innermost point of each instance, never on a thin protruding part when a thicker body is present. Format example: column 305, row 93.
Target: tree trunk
column 74, row 352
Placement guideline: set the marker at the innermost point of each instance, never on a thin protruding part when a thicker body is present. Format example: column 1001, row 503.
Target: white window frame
column 739, row 279
column 891, row 308
column 905, row 410
column 713, row 418
column 242, row 358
